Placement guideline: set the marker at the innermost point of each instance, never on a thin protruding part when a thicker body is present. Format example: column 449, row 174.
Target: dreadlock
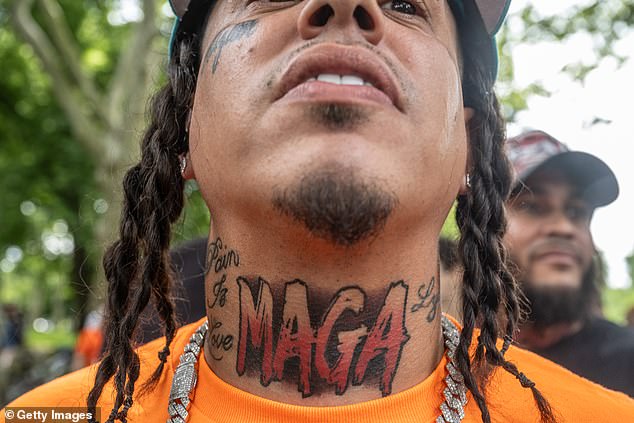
column 490, row 296
column 137, row 266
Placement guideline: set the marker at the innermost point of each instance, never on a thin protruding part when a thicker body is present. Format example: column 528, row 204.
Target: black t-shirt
column 602, row 352
column 188, row 291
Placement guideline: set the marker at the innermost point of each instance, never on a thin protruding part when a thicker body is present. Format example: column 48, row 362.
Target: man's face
column 385, row 111
column 548, row 233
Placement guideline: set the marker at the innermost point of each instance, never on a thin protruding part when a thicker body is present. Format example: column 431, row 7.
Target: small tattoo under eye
column 226, row 37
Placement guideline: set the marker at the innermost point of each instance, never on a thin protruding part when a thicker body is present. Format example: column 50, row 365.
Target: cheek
column 436, row 83
column 238, row 73
column 229, row 103
column 587, row 247
column 517, row 237
column 434, row 97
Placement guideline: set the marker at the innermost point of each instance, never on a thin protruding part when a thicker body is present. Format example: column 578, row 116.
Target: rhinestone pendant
column 185, row 378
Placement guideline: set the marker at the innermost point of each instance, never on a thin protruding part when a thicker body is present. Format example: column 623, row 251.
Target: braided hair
column 137, row 265
column 491, row 298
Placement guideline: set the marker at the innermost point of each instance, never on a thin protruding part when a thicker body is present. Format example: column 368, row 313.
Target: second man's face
column 548, row 234
column 361, row 88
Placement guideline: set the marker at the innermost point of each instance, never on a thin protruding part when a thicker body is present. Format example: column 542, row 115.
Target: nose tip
column 361, row 16
column 561, row 226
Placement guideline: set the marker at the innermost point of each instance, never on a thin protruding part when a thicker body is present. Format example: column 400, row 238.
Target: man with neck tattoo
column 329, row 139
column 549, row 241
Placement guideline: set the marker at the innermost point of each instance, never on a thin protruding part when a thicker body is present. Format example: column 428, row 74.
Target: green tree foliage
column 46, row 180
column 606, row 22
column 69, row 127
column 617, row 303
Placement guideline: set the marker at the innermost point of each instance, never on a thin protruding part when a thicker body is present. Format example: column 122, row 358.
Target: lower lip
column 326, row 92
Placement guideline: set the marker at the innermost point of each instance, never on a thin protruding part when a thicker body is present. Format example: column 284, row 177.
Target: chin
column 557, row 279
column 335, row 203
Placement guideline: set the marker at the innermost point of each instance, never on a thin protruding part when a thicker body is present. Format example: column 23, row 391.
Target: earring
column 468, row 180
column 188, row 121
column 183, row 164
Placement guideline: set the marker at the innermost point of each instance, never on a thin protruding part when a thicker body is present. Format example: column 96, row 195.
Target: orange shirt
column 89, row 344
column 573, row 398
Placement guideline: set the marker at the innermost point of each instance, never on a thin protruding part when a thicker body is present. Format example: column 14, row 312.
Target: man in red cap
column 330, row 139
column 549, row 240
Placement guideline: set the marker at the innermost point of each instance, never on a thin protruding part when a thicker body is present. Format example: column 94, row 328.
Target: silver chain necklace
column 185, row 378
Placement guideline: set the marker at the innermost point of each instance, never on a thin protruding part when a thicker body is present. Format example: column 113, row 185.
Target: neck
column 316, row 324
column 536, row 338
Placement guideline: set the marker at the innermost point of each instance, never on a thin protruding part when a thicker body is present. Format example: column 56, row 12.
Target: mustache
column 555, row 245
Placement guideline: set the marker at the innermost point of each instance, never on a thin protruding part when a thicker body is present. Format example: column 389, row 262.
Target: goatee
column 336, row 204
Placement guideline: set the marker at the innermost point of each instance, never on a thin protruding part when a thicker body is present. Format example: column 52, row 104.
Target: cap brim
column 190, row 15
column 595, row 180
column 493, row 13
column 477, row 22
column 179, row 7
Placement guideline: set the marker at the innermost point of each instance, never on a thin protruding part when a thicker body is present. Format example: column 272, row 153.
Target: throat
column 332, row 334
column 295, row 345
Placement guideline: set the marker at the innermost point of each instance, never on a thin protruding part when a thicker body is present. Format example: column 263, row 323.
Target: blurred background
column 76, row 79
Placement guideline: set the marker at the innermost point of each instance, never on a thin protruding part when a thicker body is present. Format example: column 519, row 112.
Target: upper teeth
column 340, row 79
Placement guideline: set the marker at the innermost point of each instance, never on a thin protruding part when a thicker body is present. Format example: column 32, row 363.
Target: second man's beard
column 336, row 204
column 551, row 305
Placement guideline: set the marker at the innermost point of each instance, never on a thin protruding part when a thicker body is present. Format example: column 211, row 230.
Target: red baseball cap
column 534, row 151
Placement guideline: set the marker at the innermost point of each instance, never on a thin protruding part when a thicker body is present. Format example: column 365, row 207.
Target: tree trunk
column 106, row 122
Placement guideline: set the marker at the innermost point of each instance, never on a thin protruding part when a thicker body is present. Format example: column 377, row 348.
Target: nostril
column 321, row 16
column 363, row 18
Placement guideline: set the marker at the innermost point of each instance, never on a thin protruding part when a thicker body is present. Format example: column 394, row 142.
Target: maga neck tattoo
column 295, row 334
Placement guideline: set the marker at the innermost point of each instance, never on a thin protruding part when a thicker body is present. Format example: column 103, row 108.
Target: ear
column 465, row 185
